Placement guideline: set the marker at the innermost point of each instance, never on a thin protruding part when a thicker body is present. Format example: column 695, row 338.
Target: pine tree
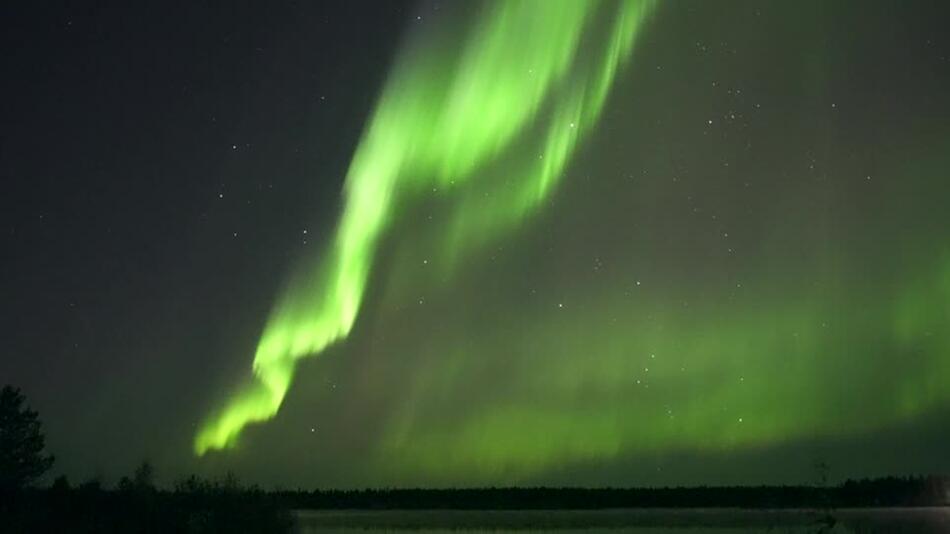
column 22, row 442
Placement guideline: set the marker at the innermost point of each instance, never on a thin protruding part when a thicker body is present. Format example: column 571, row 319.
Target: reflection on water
column 637, row 521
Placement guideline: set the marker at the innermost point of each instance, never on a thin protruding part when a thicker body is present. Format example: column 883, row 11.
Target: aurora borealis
column 624, row 242
column 440, row 122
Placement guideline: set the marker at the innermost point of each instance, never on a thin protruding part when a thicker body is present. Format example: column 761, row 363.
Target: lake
column 637, row 521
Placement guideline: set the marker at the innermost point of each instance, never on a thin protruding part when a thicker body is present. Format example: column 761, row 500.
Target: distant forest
column 225, row 505
column 890, row 491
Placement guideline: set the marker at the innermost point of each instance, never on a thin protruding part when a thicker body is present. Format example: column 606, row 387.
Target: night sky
column 358, row 243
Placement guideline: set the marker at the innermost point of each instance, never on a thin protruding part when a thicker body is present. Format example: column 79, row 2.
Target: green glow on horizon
column 528, row 71
column 587, row 387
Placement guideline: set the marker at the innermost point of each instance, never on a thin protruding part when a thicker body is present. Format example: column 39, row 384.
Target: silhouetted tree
column 142, row 481
column 21, row 442
column 144, row 476
column 61, row 484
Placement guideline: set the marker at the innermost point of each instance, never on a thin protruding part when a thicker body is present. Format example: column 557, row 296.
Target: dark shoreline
column 870, row 493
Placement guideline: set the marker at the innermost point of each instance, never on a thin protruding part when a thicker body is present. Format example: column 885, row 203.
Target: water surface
column 638, row 521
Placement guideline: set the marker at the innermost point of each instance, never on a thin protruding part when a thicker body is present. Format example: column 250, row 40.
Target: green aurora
column 819, row 314
column 444, row 118
column 427, row 243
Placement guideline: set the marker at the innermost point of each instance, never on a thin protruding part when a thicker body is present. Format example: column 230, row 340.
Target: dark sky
column 742, row 267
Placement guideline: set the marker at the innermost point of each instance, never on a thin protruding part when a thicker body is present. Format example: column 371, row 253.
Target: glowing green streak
column 440, row 120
